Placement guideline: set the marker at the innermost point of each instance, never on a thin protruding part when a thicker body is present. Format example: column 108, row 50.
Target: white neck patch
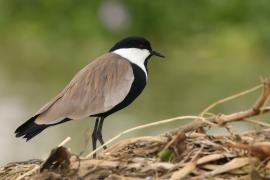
column 134, row 55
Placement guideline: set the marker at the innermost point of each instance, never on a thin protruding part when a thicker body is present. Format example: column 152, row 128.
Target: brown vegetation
column 186, row 152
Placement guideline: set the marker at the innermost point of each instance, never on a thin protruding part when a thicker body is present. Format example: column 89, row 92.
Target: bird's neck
column 135, row 56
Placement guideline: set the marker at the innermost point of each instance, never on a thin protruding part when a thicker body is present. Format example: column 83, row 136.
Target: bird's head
column 135, row 47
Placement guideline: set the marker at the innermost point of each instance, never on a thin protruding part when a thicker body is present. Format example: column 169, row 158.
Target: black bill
column 156, row 53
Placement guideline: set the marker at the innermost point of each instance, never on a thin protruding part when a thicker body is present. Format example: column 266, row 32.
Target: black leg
column 94, row 136
column 99, row 132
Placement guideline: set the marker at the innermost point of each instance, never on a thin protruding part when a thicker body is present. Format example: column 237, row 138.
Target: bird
column 104, row 86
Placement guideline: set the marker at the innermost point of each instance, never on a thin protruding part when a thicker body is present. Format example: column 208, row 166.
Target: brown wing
column 97, row 88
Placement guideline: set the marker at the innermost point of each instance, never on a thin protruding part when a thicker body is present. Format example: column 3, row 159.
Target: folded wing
column 96, row 89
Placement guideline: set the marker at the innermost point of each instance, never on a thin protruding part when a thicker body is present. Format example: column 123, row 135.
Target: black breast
column 135, row 90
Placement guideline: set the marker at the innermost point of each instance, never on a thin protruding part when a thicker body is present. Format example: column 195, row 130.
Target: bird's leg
column 94, row 136
column 99, row 132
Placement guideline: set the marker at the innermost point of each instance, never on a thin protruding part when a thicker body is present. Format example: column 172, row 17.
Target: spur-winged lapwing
column 106, row 85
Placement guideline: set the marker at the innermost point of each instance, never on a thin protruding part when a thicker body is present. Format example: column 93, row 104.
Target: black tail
column 29, row 129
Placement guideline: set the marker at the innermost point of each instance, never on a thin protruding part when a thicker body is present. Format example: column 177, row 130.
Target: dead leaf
column 261, row 150
column 209, row 158
column 182, row 173
column 233, row 164
column 58, row 159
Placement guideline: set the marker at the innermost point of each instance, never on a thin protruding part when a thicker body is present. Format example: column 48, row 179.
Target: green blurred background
column 213, row 48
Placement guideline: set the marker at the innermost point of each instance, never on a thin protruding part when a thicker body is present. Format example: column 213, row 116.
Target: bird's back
column 95, row 89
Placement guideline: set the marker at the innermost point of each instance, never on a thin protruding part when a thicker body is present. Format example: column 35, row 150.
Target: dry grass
column 188, row 152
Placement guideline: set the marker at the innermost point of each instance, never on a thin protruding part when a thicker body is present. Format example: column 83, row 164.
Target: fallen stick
column 256, row 109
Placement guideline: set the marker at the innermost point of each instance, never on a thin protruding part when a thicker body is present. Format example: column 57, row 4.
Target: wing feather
column 97, row 88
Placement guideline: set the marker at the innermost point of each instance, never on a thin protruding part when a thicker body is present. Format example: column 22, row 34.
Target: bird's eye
column 141, row 46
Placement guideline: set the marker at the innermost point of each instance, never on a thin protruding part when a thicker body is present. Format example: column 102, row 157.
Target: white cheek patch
column 134, row 55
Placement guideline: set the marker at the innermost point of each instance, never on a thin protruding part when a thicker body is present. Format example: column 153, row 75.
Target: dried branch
column 256, row 109
column 229, row 99
column 64, row 141
column 253, row 111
